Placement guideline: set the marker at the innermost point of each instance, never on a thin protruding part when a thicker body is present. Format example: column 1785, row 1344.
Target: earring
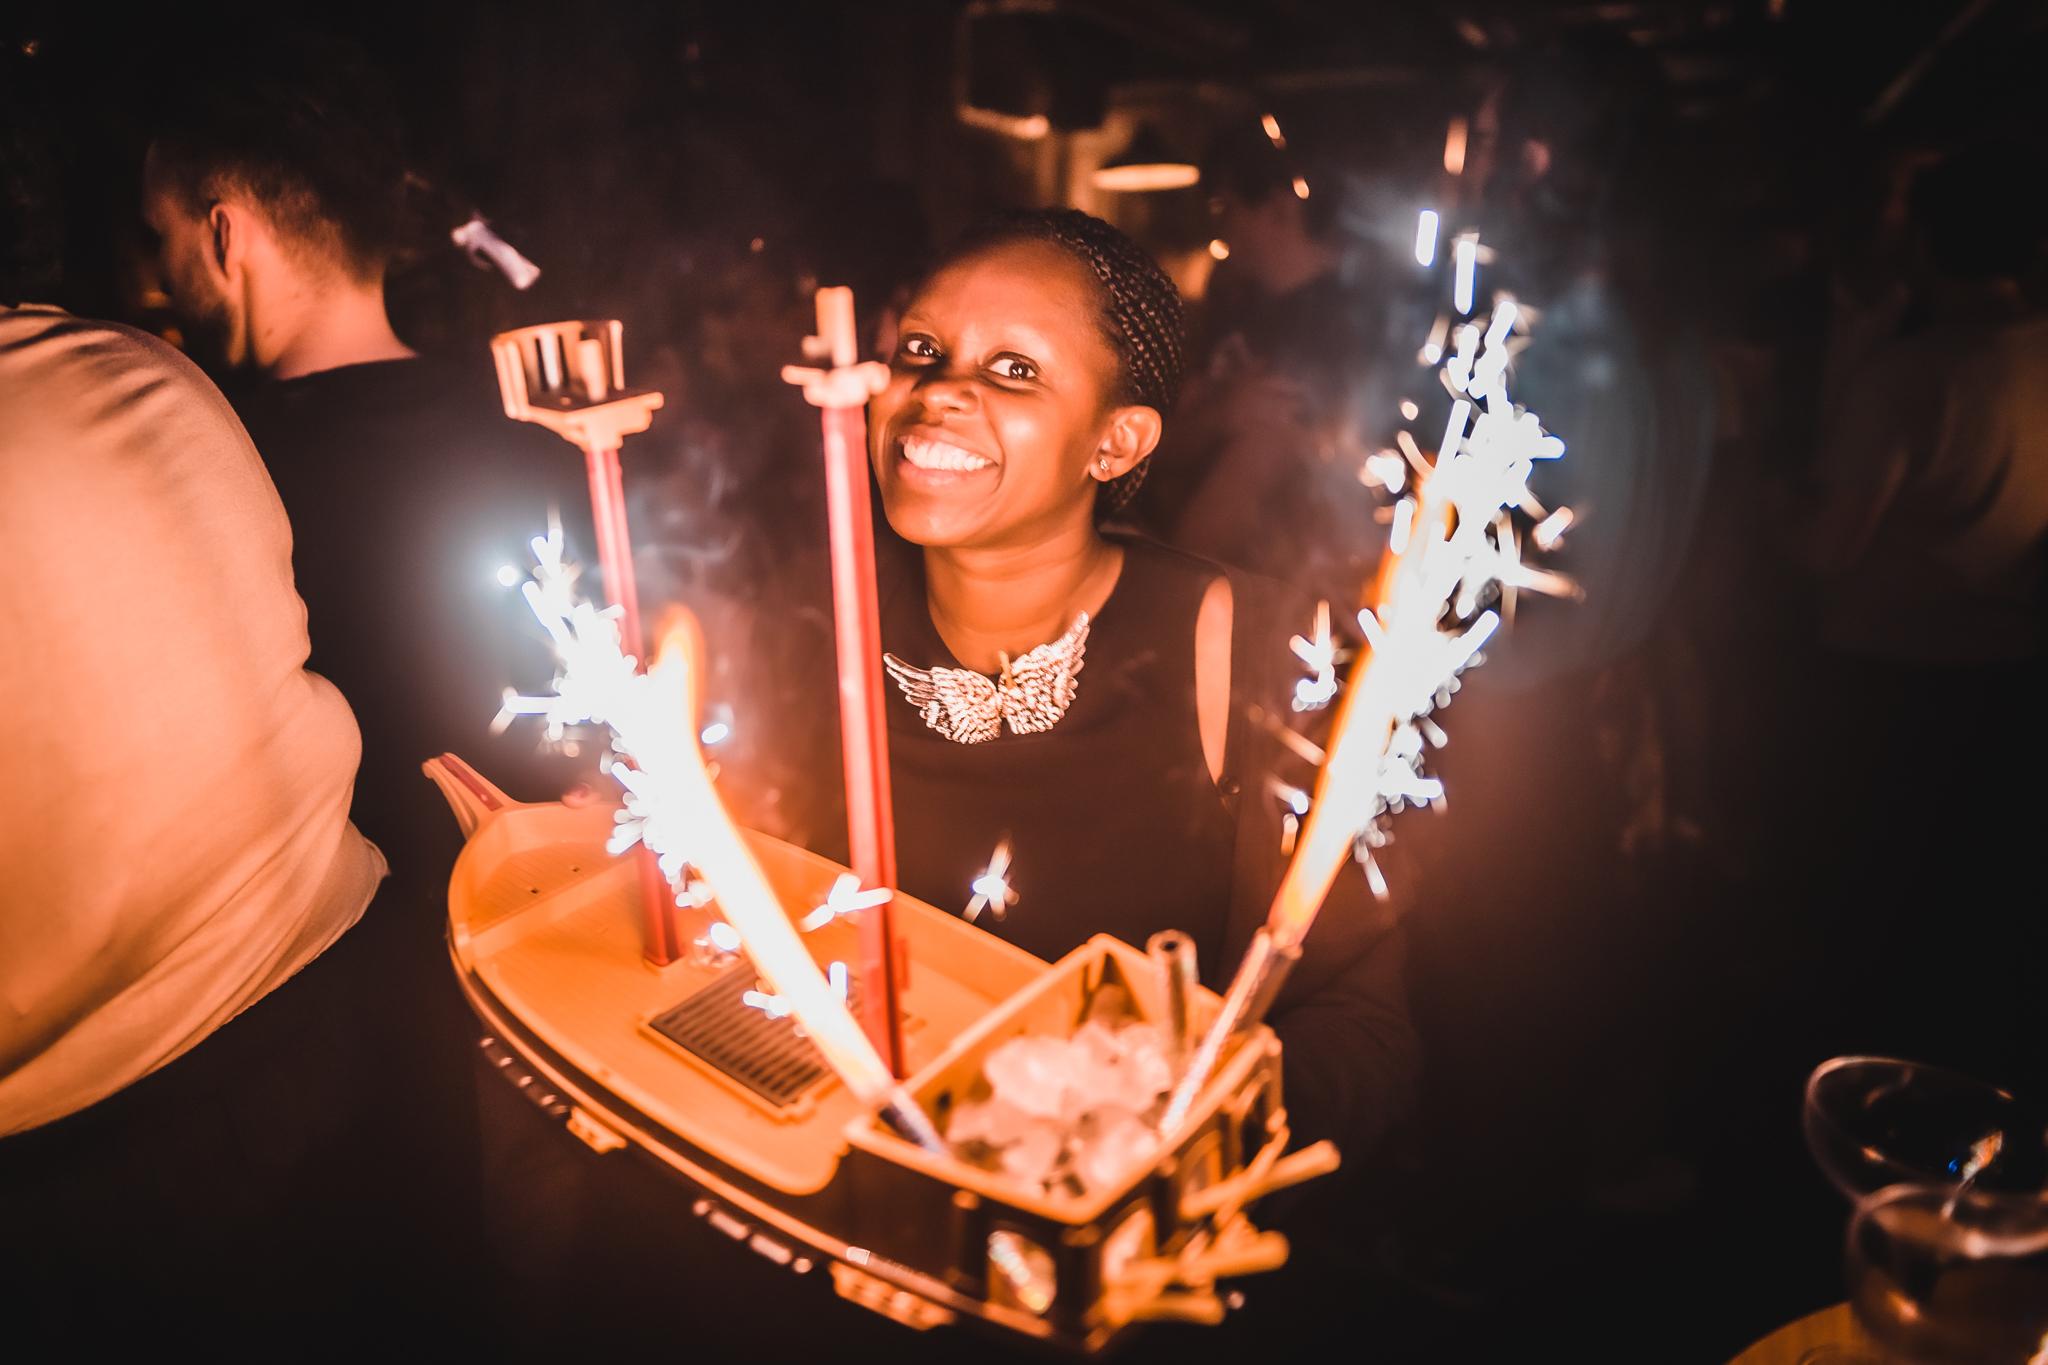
column 1102, row 463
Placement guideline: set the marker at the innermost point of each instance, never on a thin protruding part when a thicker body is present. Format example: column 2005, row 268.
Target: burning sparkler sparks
column 671, row 806
column 992, row 889
column 775, row 1007
column 1320, row 656
column 845, row 898
column 1465, row 252
column 1452, row 545
column 1425, row 237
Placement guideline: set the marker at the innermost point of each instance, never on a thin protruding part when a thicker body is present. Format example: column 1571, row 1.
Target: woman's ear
column 1130, row 436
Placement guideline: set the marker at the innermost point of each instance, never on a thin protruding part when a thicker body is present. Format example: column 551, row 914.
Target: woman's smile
column 935, row 460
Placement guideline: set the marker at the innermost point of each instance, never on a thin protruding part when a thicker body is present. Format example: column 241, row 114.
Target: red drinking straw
column 841, row 393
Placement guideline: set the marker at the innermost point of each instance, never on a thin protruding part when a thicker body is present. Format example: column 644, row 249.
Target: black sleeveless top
column 1111, row 817
column 1114, row 824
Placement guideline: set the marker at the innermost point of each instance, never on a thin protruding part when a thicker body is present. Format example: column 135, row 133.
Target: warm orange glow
column 1219, row 248
column 1272, row 127
column 1027, row 128
column 1454, row 147
column 1300, row 188
column 1154, row 175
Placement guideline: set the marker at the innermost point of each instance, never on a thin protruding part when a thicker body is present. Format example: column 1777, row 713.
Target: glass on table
column 1873, row 1122
column 1956, row 1276
column 1947, row 1254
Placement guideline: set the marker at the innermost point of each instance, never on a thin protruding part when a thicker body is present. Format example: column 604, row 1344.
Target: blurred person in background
column 276, row 188
column 276, row 185
column 1260, row 472
column 186, row 1137
column 1926, row 530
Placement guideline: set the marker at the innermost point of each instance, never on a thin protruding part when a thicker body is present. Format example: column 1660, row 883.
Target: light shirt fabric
column 174, row 834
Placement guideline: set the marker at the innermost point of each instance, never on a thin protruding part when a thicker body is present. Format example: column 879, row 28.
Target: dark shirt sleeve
column 1350, row 1052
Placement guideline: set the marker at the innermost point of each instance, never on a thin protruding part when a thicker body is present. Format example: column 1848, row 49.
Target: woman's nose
column 942, row 391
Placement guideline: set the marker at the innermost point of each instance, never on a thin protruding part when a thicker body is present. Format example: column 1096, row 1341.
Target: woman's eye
column 1015, row 367
column 919, row 348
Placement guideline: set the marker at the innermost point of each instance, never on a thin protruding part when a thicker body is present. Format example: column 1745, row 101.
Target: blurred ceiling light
column 1219, row 248
column 1454, row 147
column 1023, row 127
column 1146, row 164
column 1300, row 188
column 1272, row 127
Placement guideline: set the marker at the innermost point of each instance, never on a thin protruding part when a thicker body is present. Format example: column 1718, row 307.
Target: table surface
column 1828, row 1337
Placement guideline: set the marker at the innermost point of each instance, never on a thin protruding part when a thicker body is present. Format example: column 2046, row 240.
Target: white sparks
column 1465, row 252
column 1552, row 527
column 1425, row 238
column 1319, row 655
column 1433, row 348
column 1409, row 411
column 717, row 732
column 594, row 669
column 508, row 577
column 1454, row 540
column 992, row 889
column 770, row 1005
column 845, row 898
column 1385, row 470
column 775, row 1007
column 1404, row 524
column 1294, row 798
column 723, row 937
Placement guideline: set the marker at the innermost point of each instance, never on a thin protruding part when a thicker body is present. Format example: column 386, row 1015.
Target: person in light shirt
column 185, row 1125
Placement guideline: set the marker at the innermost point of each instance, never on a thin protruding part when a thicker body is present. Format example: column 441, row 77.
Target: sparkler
column 1453, row 542
column 672, row 809
column 570, row 377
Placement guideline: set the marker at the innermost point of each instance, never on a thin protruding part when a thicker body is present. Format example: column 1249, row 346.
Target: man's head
column 1263, row 201
column 274, row 185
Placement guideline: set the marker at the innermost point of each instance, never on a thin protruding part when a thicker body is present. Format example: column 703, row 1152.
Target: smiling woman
column 1084, row 701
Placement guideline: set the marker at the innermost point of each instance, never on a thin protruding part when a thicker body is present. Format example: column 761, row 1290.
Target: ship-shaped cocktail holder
column 660, row 1053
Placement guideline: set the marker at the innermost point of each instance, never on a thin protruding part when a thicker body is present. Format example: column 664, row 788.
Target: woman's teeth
column 926, row 454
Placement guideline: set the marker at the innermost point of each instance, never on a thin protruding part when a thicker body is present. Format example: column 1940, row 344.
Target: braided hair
column 1140, row 316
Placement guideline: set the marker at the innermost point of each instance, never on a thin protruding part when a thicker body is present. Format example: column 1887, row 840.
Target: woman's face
column 999, row 403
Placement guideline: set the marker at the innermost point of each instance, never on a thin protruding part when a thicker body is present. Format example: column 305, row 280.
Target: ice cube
column 994, row 1120
column 1032, row 1157
column 1031, row 1073
column 1109, row 1144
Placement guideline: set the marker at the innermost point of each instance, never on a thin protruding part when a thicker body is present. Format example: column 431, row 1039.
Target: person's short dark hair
column 1244, row 162
column 1142, row 315
column 308, row 131
column 1975, row 213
